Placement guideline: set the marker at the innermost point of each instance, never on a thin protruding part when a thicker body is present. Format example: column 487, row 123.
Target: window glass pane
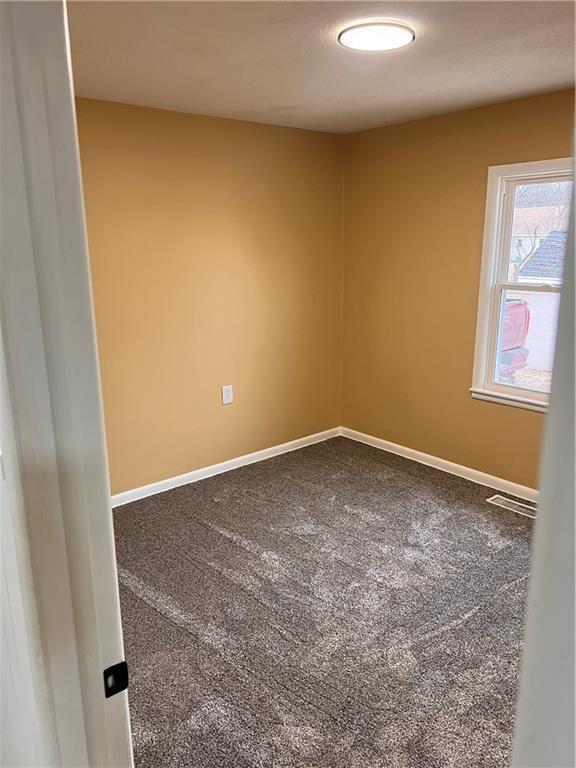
column 539, row 232
column 526, row 338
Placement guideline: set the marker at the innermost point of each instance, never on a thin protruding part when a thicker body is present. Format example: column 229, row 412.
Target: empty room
column 287, row 359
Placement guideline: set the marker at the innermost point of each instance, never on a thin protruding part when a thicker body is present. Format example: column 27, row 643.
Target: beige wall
column 215, row 253
column 414, row 199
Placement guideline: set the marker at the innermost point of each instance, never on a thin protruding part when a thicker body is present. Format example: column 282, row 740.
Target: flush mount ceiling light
column 376, row 36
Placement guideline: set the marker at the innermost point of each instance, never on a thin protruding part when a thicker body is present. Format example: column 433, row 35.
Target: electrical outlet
column 227, row 394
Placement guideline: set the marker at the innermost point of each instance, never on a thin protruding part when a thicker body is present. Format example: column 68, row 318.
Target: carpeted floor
column 334, row 607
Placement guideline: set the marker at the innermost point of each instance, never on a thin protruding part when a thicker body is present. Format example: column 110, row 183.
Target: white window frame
column 494, row 277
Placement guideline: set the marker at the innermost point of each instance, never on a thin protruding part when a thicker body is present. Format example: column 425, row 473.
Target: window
column 525, row 241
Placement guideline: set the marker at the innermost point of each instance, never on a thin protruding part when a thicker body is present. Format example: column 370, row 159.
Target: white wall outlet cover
column 227, row 394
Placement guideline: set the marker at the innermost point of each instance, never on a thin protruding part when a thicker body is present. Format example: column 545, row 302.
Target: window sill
column 514, row 400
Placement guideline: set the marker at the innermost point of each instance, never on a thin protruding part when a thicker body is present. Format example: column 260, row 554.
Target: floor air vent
column 519, row 507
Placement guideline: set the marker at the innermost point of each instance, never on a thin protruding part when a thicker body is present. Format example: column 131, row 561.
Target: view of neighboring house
column 546, row 264
column 540, row 210
column 537, row 248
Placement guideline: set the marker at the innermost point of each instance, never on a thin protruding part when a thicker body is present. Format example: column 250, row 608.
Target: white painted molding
column 490, row 481
column 267, row 453
column 225, row 466
column 516, row 402
column 62, row 519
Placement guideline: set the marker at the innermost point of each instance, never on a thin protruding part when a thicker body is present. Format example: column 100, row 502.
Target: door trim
column 54, row 390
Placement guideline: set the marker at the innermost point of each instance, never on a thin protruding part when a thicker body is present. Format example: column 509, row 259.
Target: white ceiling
column 279, row 62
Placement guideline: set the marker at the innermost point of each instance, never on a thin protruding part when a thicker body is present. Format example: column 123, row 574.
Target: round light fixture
column 376, row 36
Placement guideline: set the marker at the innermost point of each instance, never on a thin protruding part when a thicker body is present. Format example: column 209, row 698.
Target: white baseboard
column 225, row 466
column 505, row 486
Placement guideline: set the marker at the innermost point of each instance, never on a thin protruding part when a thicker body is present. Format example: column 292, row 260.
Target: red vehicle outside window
column 513, row 354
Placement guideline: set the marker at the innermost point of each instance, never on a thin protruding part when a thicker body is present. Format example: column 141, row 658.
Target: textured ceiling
column 279, row 63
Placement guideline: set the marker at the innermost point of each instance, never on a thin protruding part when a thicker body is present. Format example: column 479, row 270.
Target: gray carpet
column 335, row 607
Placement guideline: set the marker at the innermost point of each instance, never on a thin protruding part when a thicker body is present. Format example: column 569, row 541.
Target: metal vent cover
column 525, row 508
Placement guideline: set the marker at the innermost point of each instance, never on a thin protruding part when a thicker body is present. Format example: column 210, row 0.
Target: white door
column 57, row 455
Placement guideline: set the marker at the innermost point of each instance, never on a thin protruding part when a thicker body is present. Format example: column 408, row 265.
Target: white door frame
column 546, row 713
column 53, row 393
